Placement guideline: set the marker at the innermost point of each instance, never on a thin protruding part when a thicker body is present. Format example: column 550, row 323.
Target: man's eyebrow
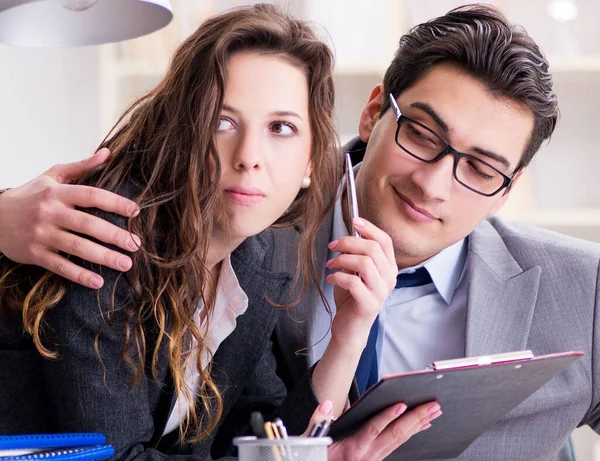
column 277, row 113
column 499, row 158
column 444, row 127
column 432, row 113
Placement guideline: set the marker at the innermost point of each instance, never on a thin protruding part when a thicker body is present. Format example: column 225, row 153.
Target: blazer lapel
column 501, row 295
column 237, row 356
column 262, row 287
column 295, row 325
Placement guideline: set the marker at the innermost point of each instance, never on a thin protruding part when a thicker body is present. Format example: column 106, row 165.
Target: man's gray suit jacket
column 527, row 289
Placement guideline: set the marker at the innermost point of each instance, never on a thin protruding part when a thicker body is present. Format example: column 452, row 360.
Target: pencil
column 271, row 436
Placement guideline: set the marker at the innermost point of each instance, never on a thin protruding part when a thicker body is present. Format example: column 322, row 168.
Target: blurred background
column 57, row 104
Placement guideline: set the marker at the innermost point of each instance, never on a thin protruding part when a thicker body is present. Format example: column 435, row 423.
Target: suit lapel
column 296, row 324
column 501, row 295
column 255, row 326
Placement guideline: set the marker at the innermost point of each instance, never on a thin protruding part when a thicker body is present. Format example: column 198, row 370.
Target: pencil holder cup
column 290, row 449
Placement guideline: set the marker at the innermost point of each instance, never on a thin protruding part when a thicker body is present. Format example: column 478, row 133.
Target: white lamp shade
column 46, row 23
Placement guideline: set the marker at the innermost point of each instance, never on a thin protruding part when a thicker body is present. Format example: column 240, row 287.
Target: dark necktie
column 367, row 372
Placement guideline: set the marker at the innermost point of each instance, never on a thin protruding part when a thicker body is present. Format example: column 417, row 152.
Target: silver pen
column 351, row 194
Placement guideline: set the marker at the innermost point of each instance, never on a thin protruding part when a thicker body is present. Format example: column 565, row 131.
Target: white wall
column 48, row 109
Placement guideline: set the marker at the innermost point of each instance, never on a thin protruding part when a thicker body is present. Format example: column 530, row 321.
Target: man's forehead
column 468, row 115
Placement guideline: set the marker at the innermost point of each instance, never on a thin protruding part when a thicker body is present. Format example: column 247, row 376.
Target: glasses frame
column 508, row 180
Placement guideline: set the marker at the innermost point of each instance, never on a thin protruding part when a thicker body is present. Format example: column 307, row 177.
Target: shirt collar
column 229, row 289
column 445, row 268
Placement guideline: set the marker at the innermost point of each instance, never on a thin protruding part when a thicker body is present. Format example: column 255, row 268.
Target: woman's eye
column 282, row 129
column 225, row 125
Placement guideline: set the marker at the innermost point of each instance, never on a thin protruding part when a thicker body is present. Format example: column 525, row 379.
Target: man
column 464, row 106
column 471, row 102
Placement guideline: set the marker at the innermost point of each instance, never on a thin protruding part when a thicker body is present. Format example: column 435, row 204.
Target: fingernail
column 401, row 409
column 326, row 407
column 359, row 222
column 133, row 211
column 328, row 263
column 433, row 408
column 435, row 415
column 96, row 282
column 124, row 263
column 333, row 244
column 133, row 243
column 426, row 426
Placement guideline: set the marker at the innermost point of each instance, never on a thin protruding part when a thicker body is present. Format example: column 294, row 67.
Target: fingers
column 364, row 247
column 368, row 306
column 90, row 225
column 389, row 429
column 87, row 250
column 69, row 270
column 376, row 246
column 371, row 232
column 92, row 197
column 364, row 263
column 363, row 269
column 403, row 428
column 69, row 172
column 323, row 412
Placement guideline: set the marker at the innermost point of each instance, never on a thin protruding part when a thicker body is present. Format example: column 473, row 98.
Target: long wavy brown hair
column 164, row 145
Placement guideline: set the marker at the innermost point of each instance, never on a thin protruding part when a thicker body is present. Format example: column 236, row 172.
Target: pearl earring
column 305, row 182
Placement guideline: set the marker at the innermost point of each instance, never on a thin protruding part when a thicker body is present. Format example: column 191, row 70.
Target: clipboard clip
column 481, row 360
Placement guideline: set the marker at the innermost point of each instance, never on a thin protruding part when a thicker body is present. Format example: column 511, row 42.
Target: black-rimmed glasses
column 424, row 144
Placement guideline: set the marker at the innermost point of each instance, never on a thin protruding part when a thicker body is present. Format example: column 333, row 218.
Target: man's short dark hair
column 480, row 40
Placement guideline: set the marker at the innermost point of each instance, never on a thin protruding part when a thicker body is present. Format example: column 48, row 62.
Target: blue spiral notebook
column 63, row 447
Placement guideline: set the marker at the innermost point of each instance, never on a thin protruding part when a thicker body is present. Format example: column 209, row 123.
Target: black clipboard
column 474, row 393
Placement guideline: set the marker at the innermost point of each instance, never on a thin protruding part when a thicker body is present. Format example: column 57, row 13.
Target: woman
column 172, row 358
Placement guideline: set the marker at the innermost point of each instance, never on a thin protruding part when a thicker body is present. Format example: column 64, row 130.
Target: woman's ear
column 308, row 169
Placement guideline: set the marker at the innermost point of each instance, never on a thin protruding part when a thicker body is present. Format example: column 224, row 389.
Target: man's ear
column 505, row 196
column 370, row 114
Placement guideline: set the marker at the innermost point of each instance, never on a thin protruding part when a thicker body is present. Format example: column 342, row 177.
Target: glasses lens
column 478, row 175
column 419, row 141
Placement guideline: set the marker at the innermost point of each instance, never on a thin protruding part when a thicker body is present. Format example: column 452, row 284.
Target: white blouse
column 230, row 302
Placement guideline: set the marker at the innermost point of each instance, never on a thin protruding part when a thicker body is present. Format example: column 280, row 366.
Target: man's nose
column 435, row 179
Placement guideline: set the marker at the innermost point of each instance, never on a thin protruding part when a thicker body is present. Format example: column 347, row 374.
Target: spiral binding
column 95, row 453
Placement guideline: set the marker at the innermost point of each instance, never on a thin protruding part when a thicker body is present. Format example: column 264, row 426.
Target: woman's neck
column 221, row 246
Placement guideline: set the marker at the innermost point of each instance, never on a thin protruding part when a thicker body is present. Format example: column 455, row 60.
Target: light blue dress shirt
column 417, row 325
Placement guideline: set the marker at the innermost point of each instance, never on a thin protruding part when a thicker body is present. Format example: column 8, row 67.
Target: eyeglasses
column 424, row 144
